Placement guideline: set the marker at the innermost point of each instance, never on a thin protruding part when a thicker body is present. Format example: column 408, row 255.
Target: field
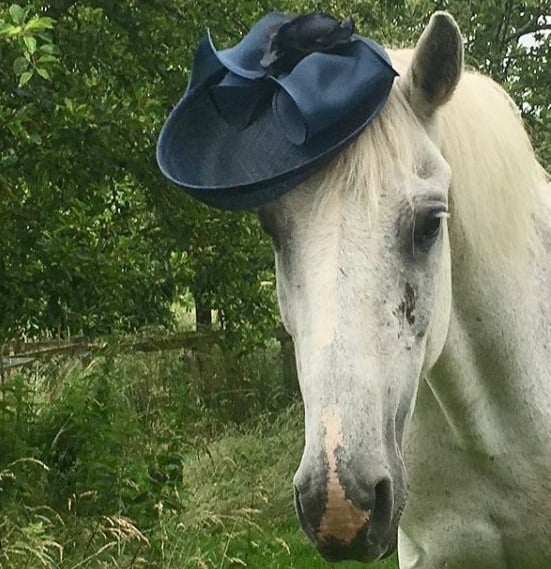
column 164, row 460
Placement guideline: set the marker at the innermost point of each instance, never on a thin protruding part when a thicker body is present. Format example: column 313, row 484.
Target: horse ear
column 436, row 65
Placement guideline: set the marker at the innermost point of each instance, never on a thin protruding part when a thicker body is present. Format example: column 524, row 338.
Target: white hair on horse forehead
column 495, row 174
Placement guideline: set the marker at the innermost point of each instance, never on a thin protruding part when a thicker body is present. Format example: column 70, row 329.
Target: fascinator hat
column 259, row 118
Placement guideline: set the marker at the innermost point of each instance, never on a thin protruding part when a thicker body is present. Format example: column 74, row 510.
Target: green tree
column 82, row 249
column 510, row 40
column 92, row 237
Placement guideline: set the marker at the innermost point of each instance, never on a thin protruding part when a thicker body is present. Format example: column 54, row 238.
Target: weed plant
column 165, row 460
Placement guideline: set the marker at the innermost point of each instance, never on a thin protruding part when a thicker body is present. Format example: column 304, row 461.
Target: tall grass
column 167, row 460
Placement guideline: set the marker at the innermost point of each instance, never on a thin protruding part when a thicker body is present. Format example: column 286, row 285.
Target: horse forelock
column 363, row 169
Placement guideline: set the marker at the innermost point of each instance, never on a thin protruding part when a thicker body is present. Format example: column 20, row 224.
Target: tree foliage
column 92, row 237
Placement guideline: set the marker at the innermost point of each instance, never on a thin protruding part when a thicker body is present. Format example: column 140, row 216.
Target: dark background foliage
column 93, row 239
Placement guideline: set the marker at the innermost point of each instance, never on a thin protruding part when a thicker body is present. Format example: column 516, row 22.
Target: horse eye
column 427, row 226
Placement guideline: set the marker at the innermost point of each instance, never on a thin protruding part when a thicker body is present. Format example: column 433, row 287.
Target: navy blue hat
column 261, row 117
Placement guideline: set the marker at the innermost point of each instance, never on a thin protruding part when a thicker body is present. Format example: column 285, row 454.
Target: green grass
column 153, row 462
column 244, row 515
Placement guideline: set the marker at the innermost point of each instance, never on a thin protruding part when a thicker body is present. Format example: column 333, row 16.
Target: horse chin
column 361, row 549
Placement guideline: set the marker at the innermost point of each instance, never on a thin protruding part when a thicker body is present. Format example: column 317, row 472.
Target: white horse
column 414, row 275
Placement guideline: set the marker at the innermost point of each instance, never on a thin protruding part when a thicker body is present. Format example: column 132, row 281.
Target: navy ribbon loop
column 314, row 95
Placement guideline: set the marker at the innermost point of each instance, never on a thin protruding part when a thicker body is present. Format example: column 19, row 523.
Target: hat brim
column 234, row 169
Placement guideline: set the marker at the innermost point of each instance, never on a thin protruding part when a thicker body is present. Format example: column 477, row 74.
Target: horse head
column 364, row 288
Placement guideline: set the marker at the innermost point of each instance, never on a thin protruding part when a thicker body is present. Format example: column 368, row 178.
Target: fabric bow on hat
column 312, row 70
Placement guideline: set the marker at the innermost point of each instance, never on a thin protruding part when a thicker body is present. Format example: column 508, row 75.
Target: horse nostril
column 384, row 503
column 304, row 522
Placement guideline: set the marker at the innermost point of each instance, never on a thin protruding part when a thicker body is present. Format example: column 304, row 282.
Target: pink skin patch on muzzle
column 341, row 520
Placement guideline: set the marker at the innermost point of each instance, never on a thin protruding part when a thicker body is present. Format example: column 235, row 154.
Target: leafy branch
column 36, row 53
column 537, row 24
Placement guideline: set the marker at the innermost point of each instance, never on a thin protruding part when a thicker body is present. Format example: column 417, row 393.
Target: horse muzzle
column 345, row 512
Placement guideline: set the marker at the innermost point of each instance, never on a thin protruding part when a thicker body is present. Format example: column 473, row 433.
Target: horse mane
column 496, row 178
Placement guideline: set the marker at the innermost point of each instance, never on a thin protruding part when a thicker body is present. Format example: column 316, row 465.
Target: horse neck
column 491, row 381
